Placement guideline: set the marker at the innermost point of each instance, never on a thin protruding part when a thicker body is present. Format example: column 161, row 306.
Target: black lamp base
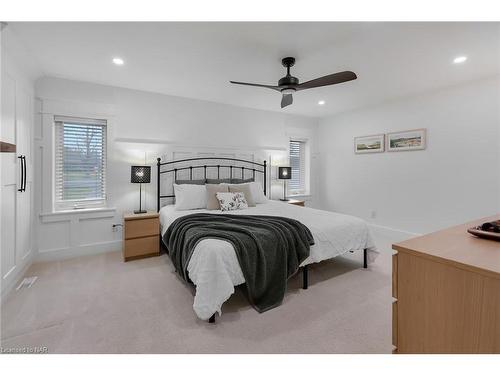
column 285, row 199
column 140, row 210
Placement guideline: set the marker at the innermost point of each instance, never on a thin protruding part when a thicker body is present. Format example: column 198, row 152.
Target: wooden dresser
column 446, row 287
column 141, row 235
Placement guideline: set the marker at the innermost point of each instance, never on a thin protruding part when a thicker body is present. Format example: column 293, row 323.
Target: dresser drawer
column 140, row 247
column 395, row 324
column 142, row 228
column 395, row 275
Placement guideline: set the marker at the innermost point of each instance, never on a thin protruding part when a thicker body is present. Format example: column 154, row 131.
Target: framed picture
column 407, row 140
column 368, row 144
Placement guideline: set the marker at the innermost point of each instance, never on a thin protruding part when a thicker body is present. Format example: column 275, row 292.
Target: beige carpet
column 99, row 304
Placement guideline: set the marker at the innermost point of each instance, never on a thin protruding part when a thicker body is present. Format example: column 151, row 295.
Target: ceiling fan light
column 287, row 91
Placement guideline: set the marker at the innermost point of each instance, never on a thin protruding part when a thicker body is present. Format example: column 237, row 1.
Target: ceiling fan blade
column 277, row 88
column 286, row 100
column 331, row 79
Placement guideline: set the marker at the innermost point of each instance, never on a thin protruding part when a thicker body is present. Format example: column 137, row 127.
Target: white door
column 24, row 120
column 10, row 178
column 16, row 205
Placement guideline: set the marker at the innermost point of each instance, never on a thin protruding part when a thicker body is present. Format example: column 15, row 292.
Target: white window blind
column 80, row 163
column 297, row 184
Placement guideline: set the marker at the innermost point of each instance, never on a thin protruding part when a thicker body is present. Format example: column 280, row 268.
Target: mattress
column 214, row 268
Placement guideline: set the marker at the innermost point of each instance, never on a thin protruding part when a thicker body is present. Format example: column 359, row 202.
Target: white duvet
column 215, row 270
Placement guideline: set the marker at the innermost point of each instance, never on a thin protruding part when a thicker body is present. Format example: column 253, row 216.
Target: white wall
column 456, row 179
column 142, row 126
column 416, row 191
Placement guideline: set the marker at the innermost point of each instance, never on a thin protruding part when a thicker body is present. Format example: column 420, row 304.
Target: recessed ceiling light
column 321, row 102
column 118, row 61
column 459, row 59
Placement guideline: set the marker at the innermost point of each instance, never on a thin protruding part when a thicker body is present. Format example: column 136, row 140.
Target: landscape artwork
column 407, row 140
column 369, row 144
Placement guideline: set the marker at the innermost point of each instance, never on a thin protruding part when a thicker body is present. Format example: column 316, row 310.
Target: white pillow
column 256, row 191
column 231, row 201
column 190, row 197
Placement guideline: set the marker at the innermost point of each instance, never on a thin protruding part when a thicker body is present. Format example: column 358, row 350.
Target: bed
column 214, row 268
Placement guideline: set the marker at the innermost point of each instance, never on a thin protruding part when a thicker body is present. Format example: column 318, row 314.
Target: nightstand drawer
column 142, row 228
column 140, row 247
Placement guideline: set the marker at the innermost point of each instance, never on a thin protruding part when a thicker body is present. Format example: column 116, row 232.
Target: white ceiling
column 197, row 60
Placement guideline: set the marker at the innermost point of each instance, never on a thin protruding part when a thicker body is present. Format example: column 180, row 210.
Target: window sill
column 84, row 213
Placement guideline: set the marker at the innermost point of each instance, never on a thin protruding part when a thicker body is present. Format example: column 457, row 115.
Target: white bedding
column 215, row 270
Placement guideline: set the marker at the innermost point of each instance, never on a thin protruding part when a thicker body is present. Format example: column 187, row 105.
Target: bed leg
column 305, row 281
column 365, row 259
column 212, row 319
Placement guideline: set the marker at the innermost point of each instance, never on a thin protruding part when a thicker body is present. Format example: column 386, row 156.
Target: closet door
column 16, row 182
column 10, row 178
column 24, row 121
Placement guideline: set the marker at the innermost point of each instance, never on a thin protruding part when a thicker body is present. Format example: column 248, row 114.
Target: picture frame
column 406, row 140
column 369, row 144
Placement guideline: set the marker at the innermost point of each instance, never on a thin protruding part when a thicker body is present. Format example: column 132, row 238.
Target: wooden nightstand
column 141, row 235
column 296, row 202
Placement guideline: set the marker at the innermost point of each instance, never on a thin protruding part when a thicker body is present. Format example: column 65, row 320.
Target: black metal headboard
column 255, row 167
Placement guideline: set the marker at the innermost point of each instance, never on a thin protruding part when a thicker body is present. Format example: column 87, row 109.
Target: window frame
column 303, row 190
column 78, row 204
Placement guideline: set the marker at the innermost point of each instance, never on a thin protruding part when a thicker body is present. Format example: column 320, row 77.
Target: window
column 80, row 163
column 297, row 184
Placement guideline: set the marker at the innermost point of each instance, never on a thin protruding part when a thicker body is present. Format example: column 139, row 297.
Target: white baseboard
column 73, row 252
column 395, row 234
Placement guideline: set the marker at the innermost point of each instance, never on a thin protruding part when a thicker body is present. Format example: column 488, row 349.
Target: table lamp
column 284, row 173
column 140, row 174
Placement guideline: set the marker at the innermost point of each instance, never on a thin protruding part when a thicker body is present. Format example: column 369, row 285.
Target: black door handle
column 24, row 162
column 22, row 173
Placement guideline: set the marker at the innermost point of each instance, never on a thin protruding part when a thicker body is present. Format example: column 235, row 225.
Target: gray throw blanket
column 269, row 249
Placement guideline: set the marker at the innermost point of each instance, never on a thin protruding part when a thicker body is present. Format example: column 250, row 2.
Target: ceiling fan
column 290, row 84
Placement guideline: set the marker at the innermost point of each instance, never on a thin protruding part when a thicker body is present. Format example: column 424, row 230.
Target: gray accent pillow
column 242, row 180
column 218, row 181
column 245, row 189
column 190, row 182
column 212, row 190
